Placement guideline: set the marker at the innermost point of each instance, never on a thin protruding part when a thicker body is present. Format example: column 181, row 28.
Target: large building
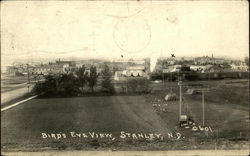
column 42, row 69
column 131, row 71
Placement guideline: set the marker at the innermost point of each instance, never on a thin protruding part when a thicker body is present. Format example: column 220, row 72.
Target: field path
column 137, row 110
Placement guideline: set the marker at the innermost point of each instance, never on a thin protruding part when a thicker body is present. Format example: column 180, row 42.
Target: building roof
column 135, row 68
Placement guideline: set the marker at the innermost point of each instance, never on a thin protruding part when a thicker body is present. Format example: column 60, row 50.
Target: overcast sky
column 64, row 29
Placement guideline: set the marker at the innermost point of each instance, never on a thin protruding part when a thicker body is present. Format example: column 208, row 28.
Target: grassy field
column 226, row 113
column 22, row 126
column 226, row 106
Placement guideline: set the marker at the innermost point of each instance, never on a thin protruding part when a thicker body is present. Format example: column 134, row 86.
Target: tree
column 247, row 61
column 132, row 85
column 58, row 85
column 82, row 77
column 107, row 86
column 138, row 85
column 48, row 87
column 67, row 85
column 92, row 79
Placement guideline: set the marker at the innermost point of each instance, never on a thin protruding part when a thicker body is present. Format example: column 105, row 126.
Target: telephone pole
column 180, row 84
column 205, row 88
column 28, row 73
column 28, row 77
column 162, row 73
column 203, row 107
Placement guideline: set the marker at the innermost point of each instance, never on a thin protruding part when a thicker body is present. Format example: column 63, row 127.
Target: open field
column 22, row 126
column 14, row 80
column 226, row 114
column 226, row 106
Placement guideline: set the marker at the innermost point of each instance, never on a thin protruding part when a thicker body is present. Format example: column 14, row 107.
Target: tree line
column 83, row 82
column 74, row 84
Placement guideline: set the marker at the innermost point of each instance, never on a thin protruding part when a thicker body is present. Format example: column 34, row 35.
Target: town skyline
column 47, row 60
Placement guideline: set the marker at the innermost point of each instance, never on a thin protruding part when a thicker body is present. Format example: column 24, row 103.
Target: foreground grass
column 21, row 127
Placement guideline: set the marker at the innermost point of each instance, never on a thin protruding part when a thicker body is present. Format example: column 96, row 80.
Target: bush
column 46, row 87
column 143, row 85
column 138, row 85
column 67, row 85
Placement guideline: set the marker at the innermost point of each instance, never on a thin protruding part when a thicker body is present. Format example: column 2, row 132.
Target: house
column 118, row 75
column 199, row 68
column 131, row 71
column 135, row 71
column 11, row 70
column 172, row 69
column 203, row 60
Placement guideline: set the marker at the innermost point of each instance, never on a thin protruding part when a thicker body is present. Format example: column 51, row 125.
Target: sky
column 48, row 30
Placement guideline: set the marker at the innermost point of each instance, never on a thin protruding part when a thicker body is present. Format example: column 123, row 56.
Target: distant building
column 11, row 70
column 54, row 68
column 131, row 71
column 135, row 71
column 16, row 70
column 199, row 68
column 204, row 60
column 118, row 75
column 172, row 69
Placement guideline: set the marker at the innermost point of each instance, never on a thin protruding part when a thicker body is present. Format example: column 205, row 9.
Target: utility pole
column 171, row 75
column 163, row 72
column 180, row 84
column 28, row 73
column 203, row 105
column 204, row 88
column 28, row 77
column 162, row 64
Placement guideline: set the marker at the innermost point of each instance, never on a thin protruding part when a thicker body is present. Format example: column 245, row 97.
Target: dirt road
column 16, row 93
